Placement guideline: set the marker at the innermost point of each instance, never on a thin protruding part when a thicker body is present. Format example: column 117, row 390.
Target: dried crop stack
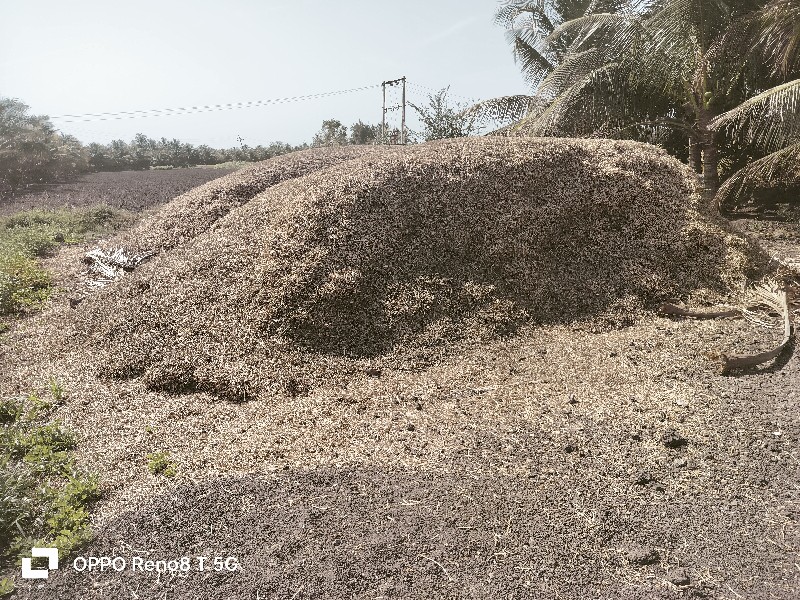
column 395, row 252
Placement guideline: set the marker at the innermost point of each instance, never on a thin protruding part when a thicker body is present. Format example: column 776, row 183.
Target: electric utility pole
column 401, row 107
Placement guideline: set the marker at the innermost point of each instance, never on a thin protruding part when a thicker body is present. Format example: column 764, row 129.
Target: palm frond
column 581, row 29
column 510, row 10
column 560, row 117
column 573, row 68
column 783, row 164
column 608, row 6
column 505, row 108
column 698, row 21
column 767, row 120
column 534, row 60
column 780, row 35
column 672, row 40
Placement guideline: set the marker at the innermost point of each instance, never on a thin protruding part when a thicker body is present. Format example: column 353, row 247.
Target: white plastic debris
column 106, row 266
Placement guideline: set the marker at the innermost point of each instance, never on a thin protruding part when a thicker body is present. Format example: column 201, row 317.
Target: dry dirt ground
column 537, row 468
column 561, row 463
column 130, row 190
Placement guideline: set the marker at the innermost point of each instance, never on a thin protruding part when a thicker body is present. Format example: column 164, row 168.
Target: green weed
column 159, row 463
column 10, row 411
column 23, row 283
column 56, row 390
column 44, row 498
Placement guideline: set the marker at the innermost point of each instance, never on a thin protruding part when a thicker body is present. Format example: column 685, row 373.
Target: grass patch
column 30, row 235
column 44, row 497
column 159, row 463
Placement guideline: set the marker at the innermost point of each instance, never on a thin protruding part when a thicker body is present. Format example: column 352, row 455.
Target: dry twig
column 673, row 309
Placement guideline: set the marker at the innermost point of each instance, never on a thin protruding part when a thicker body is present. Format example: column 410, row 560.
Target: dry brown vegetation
column 271, row 279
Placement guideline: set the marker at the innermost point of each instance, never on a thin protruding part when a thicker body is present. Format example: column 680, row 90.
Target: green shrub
column 23, row 283
column 42, row 230
column 10, row 411
column 6, row 587
column 32, row 234
column 18, row 503
column 51, row 437
column 32, row 241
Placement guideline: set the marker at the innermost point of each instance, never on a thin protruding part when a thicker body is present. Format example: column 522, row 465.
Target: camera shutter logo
column 51, row 554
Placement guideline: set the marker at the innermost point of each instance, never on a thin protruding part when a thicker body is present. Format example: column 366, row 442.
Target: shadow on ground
column 468, row 533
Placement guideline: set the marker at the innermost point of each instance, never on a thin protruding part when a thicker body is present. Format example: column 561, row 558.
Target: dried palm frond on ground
column 401, row 253
column 775, row 297
column 770, row 294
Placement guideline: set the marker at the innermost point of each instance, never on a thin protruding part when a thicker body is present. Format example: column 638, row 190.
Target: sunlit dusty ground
column 559, row 433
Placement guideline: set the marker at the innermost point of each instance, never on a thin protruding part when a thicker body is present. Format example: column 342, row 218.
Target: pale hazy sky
column 94, row 56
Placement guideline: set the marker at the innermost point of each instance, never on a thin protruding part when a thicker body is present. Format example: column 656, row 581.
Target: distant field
column 129, row 190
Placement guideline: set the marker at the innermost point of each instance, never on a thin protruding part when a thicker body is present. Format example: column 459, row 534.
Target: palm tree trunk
column 695, row 155
column 710, row 152
column 711, row 165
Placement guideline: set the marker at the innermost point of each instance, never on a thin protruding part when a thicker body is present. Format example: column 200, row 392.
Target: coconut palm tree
column 647, row 67
column 528, row 24
column 770, row 120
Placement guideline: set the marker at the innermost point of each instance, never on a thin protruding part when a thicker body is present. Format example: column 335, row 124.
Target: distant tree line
column 145, row 153
column 334, row 133
column 33, row 151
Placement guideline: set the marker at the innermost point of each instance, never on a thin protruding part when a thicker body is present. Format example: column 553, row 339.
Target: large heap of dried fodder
column 406, row 250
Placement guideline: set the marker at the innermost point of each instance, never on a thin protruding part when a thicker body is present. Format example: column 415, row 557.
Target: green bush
column 44, row 498
column 23, row 283
column 6, row 587
column 32, row 234
column 10, row 411
column 42, row 230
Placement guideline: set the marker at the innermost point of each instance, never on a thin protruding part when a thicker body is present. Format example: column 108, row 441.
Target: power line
column 161, row 112
column 188, row 110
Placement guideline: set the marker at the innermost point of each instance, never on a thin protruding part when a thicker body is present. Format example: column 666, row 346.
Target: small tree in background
column 441, row 120
column 362, row 133
column 142, row 152
column 333, row 133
